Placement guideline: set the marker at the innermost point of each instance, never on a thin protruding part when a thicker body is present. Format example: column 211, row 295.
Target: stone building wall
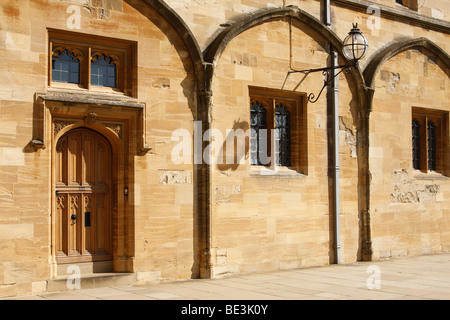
column 181, row 219
column 265, row 220
column 163, row 207
column 409, row 208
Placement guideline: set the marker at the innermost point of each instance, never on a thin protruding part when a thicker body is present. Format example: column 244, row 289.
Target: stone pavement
column 417, row 278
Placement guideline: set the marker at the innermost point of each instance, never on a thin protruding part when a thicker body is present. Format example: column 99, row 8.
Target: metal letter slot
column 87, row 219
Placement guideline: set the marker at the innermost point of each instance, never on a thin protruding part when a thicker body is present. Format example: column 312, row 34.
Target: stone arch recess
column 211, row 56
column 185, row 34
column 398, row 47
column 200, row 172
column 369, row 75
column 218, row 45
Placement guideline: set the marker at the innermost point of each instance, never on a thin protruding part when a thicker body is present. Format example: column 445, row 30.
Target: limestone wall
column 258, row 221
column 162, row 209
column 279, row 220
column 409, row 208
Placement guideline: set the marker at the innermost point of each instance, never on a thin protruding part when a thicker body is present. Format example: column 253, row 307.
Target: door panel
column 83, row 201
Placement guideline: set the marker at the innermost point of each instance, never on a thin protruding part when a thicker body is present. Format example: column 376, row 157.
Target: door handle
column 73, row 217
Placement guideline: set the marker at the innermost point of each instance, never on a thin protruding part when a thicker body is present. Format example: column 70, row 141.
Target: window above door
column 411, row 4
column 92, row 63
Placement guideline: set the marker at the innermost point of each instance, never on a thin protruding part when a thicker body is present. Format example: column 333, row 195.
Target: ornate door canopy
column 55, row 111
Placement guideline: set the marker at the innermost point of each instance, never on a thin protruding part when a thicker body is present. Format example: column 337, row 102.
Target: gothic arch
column 177, row 23
column 369, row 74
column 212, row 55
column 398, row 47
column 218, row 45
column 171, row 23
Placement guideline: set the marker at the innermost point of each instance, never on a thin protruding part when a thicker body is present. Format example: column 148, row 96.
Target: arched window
column 65, row 67
column 103, row 71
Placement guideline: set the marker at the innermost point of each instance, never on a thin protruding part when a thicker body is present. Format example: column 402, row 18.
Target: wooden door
column 83, row 197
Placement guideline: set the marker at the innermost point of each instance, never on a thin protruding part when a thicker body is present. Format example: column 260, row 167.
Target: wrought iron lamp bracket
column 326, row 72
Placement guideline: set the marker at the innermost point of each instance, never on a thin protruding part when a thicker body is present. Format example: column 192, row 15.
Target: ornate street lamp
column 355, row 45
column 354, row 49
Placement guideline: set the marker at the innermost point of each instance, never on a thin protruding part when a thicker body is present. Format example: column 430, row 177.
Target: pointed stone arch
column 369, row 74
column 394, row 49
column 174, row 26
column 218, row 45
column 184, row 32
column 212, row 55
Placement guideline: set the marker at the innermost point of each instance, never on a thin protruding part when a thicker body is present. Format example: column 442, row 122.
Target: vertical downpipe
column 336, row 170
column 334, row 101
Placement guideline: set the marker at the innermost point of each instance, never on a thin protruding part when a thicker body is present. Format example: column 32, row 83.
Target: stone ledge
column 399, row 14
column 90, row 98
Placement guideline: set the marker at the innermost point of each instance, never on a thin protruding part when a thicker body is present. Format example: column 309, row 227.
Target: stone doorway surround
column 121, row 120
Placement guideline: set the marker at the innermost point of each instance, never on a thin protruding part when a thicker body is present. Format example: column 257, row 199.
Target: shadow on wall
column 235, row 138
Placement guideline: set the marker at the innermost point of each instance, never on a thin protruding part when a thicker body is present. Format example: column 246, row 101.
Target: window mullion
column 88, row 67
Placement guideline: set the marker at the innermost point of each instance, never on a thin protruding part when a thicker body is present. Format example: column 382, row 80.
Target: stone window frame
column 121, row 53
column 423, row 117
column 296, row 104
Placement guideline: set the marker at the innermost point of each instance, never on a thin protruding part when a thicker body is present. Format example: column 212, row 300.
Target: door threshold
column 90, row 281
column 93, row 267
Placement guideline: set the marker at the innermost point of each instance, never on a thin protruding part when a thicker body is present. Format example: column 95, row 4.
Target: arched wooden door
column 83, row 197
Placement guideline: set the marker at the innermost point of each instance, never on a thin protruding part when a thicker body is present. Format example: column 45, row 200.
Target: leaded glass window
column 416, row 144
column 92, row 63
column 103, row 72
column 65, row 67
column 429, row 141
column 278, row 131
column 282, row 135
column 431, row 135
column 258, row 122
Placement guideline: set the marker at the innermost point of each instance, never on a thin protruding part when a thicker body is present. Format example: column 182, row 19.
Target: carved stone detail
column 117, row 128
column 91, row 118
column 409, row 190
column 61, row 124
